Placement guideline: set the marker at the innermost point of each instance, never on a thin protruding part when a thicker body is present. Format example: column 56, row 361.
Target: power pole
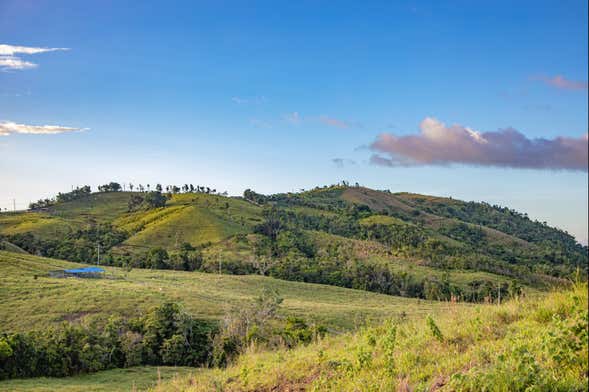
column 14, row 205
column 98, row 246
column 499, row 292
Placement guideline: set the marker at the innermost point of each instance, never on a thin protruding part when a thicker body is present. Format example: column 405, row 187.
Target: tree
column 135, row 202
column 155, row 199
column 157, row 258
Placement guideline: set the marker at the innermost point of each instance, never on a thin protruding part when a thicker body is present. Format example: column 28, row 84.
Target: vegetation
column 115, row 380
column 30, row 300
column 537, row 344
column 164, row 336
column 342, row 235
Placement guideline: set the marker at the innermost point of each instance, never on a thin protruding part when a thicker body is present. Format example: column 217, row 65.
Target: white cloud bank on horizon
column 10, row 61
column 441, row 145
column 8, row 128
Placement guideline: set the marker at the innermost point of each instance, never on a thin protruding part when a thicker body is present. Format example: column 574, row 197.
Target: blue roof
column 84, row 270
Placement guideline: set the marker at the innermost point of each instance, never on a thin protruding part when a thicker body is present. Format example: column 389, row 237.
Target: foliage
column 536, row 344
column 166, row 335
column 77, row 193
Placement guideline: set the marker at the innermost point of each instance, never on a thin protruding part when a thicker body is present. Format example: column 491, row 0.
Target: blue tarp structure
column 87, row 270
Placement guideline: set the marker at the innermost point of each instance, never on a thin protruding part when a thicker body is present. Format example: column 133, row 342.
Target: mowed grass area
column 28, row 303
column 116, row 380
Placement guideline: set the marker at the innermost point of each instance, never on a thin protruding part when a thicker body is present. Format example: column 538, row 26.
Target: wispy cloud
column 293, row 118
column 334, row 122
column 341, row 162
column 8, row 128
column 249, row 100
column 10, row 56
column 438, row 144
column 563, row 83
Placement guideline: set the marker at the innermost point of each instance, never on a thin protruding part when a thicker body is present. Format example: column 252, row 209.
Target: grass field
column 28, row 303
column 116, row 380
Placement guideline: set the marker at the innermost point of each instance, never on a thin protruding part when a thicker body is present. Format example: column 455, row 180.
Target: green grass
column 193, row 218
column 381, row 220
column 116, row 380
column 27, row 303
column 534, row 344
column 190, row 217
column 101, row 207
column 40, row 224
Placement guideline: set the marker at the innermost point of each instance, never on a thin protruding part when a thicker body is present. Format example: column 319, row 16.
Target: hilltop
column 393, row 243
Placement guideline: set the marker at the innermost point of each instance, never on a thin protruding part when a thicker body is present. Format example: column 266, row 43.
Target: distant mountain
column 394, row 243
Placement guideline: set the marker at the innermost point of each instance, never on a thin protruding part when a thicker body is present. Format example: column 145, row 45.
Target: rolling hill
column 393, row 243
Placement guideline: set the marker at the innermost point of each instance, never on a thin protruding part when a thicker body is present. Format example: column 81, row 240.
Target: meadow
column 29, row 299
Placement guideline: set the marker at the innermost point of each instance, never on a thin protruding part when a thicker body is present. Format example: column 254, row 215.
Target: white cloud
column 10, row 61
column 8, row 127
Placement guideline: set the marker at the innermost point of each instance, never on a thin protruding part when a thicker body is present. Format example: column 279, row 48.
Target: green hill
column 392, row 243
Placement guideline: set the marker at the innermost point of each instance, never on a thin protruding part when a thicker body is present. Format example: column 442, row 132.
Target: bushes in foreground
column 165, row 336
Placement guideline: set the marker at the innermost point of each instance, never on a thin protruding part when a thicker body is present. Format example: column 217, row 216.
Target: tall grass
column 534, row 344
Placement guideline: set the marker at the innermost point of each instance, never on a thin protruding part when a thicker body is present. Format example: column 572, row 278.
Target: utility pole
column 14, row 205
column 98, row 246
column 499, row 293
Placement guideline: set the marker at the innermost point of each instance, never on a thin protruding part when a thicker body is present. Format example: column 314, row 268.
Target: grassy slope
column 526, row 344
column 194, row 218
column 117, row 380
column 41, row 224
column 28, row 303
column 380, row 201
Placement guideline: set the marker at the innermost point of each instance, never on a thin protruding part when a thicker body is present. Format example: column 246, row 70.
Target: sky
column 478, row 100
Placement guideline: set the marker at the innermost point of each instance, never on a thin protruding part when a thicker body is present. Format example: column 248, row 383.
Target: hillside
column 523, row 345
column 30, row 300
column 392, row 243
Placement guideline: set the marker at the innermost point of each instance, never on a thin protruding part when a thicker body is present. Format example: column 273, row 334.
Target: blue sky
column 268, row 94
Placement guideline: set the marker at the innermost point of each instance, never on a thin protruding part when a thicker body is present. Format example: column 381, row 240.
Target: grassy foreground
column 28, row 303
column 525, row 345
column 117, row 380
